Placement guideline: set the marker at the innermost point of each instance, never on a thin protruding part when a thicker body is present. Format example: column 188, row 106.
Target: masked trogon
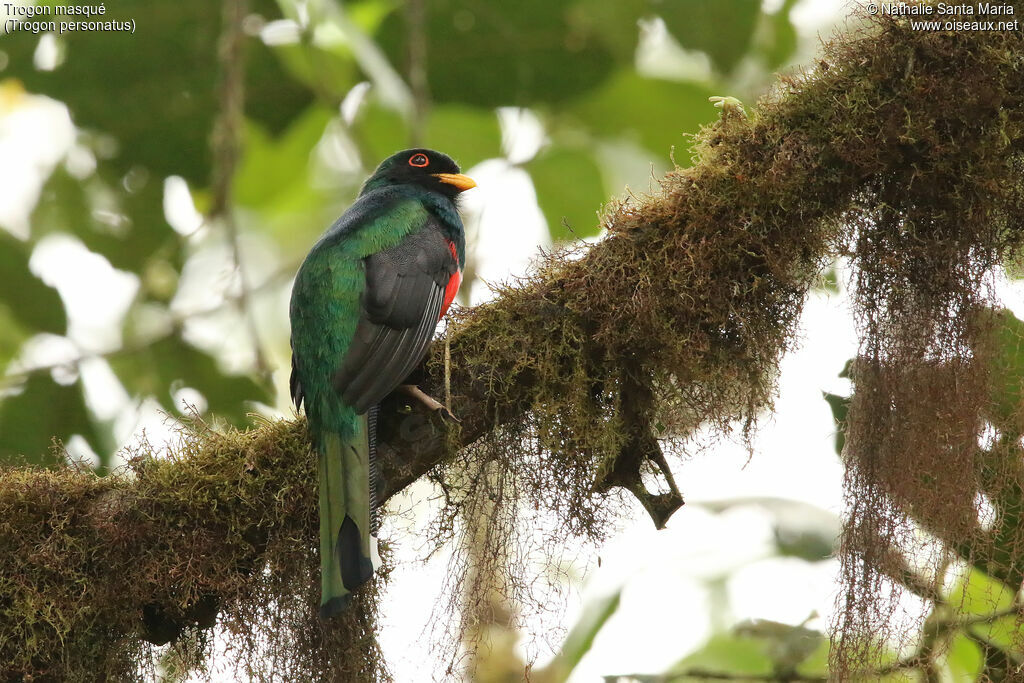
column 364, row 307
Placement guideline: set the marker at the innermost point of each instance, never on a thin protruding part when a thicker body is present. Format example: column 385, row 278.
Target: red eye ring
column 419, row 160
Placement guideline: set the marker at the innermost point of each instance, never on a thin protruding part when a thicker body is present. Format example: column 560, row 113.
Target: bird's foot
column 430, row 402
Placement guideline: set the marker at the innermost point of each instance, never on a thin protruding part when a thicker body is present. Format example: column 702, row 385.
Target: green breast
column 325, row 305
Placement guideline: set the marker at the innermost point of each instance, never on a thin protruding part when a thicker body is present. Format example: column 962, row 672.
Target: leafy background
column 126, row 301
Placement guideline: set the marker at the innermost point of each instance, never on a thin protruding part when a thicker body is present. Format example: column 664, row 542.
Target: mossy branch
column 677, row 319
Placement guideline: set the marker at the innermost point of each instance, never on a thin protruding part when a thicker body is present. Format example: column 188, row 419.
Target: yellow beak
column 463, row 182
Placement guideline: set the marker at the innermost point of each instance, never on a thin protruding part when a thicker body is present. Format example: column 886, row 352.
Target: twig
column 227, row 143
column 431, row 404
column 226, row 137
column 977, row 620
column 448, row 373
column 416, row 39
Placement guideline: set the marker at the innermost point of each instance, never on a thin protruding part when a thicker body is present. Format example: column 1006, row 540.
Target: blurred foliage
column 659, row 114
column 1008, row 368
column 45, row 314
column 44, row 407
column 569, row 185
column 172, row 363
column 274, row 179
column 580, row 639
column 470, row 134
column 529, row 53
column 121, row 219
column 840, row 406
column 760, row 648
column 978, row 620
column 158, row 109
column 698, row 25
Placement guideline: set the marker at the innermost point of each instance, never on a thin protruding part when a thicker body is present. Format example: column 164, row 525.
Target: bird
column 364, row 306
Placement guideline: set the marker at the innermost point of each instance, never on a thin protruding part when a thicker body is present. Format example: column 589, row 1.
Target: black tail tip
column 334, row 607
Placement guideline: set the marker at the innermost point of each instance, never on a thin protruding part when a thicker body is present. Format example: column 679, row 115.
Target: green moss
column 223, row 529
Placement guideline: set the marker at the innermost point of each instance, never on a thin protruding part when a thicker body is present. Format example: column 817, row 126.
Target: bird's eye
column 419, row 160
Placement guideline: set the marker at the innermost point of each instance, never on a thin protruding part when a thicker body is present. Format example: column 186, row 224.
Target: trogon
column 363, row 310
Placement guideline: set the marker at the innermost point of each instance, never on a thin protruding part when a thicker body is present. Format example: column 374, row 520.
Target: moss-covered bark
column 572, row 376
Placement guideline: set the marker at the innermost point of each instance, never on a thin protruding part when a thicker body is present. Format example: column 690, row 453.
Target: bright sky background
column 667, row 608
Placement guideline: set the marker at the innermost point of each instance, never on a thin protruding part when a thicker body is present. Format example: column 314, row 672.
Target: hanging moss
column 901, row 149
column 924, row 236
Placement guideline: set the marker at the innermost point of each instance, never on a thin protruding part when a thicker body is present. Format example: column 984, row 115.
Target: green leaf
column 330, row 73
column 728, row 653
column 274, row 178
column 467, row 134
column 273, row 97
column 982, row 595
column 172, row 363
column 847, row 371
column 24, row 297
column 42, row 412
column 1007, row 383
column 653, row 112
column 273, row 168
column 324, row 58
column 777, row 41
column 811, row 545
column 723, row 30
column 786, row 645
column 840, row 406
column 580, row 638
column 569, row 191
column 816, row 663
column 617, row 23
column 830, row 281
column 513, row 53
column 964, row 659
column 379, row 131
column 12, row 336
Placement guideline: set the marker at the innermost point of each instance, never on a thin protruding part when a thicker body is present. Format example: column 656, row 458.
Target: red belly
column 452, row 288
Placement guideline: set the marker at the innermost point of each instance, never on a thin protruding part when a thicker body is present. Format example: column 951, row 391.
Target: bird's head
column 426, row 168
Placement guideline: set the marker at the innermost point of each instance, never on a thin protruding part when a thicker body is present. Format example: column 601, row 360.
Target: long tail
column 348, row 514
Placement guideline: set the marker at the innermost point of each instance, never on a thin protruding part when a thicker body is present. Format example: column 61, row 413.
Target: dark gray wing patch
column 405, row 287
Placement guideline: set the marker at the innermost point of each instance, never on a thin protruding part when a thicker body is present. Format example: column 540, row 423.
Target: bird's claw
column 430, row 402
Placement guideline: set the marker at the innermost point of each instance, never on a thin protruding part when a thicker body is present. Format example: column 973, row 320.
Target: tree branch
column 227, row 150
